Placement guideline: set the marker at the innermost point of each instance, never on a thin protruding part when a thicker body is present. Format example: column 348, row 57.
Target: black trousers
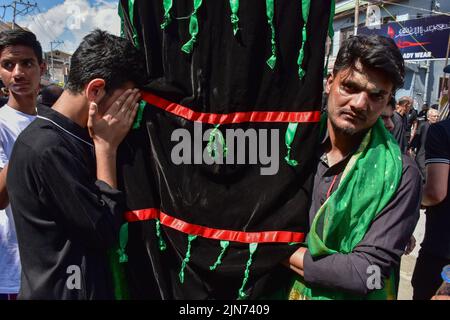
column 427, row 275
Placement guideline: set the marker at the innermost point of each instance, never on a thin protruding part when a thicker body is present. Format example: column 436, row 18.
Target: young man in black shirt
column 62, row 175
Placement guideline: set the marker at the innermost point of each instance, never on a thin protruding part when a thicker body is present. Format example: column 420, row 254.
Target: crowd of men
column 59, row 183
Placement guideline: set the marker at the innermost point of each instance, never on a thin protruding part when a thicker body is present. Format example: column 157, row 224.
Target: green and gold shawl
column 368, row 183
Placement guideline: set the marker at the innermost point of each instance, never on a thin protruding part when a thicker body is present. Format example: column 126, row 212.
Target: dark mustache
column 359, row 116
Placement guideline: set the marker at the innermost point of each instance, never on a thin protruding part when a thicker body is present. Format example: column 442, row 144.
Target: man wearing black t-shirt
column 435, row 248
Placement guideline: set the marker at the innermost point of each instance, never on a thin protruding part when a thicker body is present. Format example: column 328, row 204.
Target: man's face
column 403, row 108
column 386, row 116
column 408, row 107
column 433, row 117
column 20, row 70
column 356, row 98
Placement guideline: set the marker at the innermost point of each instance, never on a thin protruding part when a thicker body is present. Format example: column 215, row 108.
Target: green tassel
column 123, row 240
column 224, row 244
column 301, row 55
column 139, row 115
column 189, row 46
column 234, row 5
column 122, row 23
column 162, row 244
column 131, row 13
column 322, row 125
column 252, row 248
column 119, row 279
column 167, row 19
column 193, row 29
column 331, row 35
column 186, row 258
column 289, row 138
column 117, row 257
column 306, row 4
column 212, row 143
column 270, row 13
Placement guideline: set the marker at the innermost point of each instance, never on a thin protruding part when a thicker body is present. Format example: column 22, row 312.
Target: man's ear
column 95, row 90
column 329, row 82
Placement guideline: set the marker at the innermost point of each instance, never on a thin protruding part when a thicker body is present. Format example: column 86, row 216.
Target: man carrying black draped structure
column 229, row 76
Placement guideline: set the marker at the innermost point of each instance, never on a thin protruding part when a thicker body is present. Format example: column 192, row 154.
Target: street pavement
column 405, row 291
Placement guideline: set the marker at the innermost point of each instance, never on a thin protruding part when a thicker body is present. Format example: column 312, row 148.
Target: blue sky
column 66, row 20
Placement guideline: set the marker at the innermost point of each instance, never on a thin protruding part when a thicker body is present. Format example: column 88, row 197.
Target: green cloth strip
column 369, row 181
column 162, row 244
column 167, row 4
column 270, row 13
column 119, row 279
column 234, row 6
column 122, row 24
column 288, row 139
column 193, row 29
column 212, row 143
column 306, row 4
column 224, row 244
column 139, row 115
column 131, row 13
column 252, row 249
column 186, row 258
column 123, row 241
column 331, row 35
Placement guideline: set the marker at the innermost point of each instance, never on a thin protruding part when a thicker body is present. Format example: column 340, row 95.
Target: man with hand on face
column 21, row 67
column 365, row 203
column 62, row 175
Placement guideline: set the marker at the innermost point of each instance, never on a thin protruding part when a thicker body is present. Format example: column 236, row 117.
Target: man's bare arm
column 435, row 188
column 4, row 199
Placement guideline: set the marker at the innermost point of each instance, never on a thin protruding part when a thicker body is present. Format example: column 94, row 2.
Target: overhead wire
column 416, row 8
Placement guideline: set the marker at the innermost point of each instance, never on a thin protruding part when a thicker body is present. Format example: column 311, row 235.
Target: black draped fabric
column 224, row 74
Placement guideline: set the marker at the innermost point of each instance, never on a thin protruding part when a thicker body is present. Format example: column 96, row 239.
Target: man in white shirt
column 21, row 67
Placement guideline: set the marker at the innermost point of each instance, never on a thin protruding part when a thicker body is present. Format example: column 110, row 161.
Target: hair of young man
column 20, row 37
column 375, row 52
column 50, row 94
column 405, row 100
column 108, row 57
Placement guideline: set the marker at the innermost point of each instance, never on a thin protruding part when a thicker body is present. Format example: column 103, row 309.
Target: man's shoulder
column 439, row 132
column 444, row 124
column 4, row 115
column 410, row 170
column 39, row 138
column 10, row 117
column 397, row 117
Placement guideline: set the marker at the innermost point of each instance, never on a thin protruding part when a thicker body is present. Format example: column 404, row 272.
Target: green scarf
column 368, row 183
